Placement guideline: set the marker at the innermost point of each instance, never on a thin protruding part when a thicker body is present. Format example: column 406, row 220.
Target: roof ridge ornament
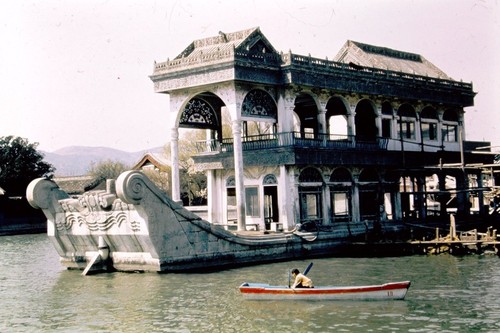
column 223, row 36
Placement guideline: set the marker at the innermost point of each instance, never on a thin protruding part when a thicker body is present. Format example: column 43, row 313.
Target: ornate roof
column 247, row 55
column 249, row 39
column 365, row 55
column 157, row 160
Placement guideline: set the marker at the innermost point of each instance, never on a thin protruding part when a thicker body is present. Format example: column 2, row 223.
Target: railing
column 290, row 59
column 220, row 55
column 293, row 139
column 335, row 69
column 308, row 61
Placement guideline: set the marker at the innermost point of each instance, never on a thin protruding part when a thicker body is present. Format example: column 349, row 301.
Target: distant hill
column 76, row 160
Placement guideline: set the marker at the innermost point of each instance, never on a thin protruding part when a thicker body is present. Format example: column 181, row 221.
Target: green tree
column 107, row 169
column 160, row 178
column 20, row 163
column 193, row 182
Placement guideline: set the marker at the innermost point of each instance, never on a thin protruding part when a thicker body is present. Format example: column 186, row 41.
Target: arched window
column 200, row 113
column 310, row 175
column 429, row 123
column 340, row 195
column 259, row 104
column 364, row 121
column 387, row 120
column 406, row 122
column 450, row 126
column 310, row 194
column 260, row 114
column 307, row 116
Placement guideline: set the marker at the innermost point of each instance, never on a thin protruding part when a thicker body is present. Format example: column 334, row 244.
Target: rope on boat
column 297, row 233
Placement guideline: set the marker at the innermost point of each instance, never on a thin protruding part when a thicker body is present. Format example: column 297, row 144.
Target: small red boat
column 386, row 291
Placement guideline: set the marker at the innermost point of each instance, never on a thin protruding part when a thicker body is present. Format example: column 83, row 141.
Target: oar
column 308, row 268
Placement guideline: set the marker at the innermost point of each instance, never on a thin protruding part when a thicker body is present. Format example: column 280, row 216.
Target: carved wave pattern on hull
column 94, row 224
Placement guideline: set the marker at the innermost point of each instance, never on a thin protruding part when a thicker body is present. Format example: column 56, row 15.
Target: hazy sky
column 76, row 72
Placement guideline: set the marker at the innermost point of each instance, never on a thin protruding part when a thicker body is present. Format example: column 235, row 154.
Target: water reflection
column 448, row 294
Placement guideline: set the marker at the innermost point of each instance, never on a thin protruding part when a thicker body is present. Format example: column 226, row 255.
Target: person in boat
column 301, row 281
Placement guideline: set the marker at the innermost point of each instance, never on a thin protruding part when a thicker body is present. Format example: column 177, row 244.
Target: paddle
column 308, row 268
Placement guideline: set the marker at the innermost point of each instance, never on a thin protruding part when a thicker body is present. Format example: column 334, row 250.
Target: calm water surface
column 448, row 294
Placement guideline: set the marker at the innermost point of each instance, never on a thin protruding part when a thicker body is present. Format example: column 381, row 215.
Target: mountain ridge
column 77, row 160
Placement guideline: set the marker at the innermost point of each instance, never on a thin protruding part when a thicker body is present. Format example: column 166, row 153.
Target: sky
column 76, row 73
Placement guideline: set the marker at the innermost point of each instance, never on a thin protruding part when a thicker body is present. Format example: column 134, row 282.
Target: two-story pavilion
column 341, row 142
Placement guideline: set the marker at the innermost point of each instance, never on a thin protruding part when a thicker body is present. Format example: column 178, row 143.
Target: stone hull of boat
column 139, row 228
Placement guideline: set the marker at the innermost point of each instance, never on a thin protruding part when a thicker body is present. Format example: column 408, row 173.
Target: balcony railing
column 319, row 65
column 295, row 140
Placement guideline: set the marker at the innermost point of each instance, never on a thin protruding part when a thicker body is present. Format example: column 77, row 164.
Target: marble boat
column 133, row 226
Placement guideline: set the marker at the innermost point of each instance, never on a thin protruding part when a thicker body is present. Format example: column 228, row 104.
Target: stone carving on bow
column 97, row 210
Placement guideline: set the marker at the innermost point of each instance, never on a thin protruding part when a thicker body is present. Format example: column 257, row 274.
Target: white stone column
column 327, row 207
column 461, row 124
column 394, row 126
column 213, row 191
column 378, row 120
column 356, row 212
column 397, row 211
column 213, row 200
column 351, row 127
column 285, row 106
column 238, row 174
column 174, row 152
column 440, row 129
column 418, row 127
column 296, row 204
column 287, row 198
column 322, row 120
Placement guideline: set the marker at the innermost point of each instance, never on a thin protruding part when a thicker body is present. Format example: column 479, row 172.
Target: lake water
column 448, row 294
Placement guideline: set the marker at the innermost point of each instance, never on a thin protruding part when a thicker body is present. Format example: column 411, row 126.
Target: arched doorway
column 366, row 129
column 336, row 119
column 260, row 114
column 201, row 116
column 307, row 116
column 271, row 206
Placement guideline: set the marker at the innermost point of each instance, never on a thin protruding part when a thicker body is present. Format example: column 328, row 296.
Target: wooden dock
column 461, row 242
